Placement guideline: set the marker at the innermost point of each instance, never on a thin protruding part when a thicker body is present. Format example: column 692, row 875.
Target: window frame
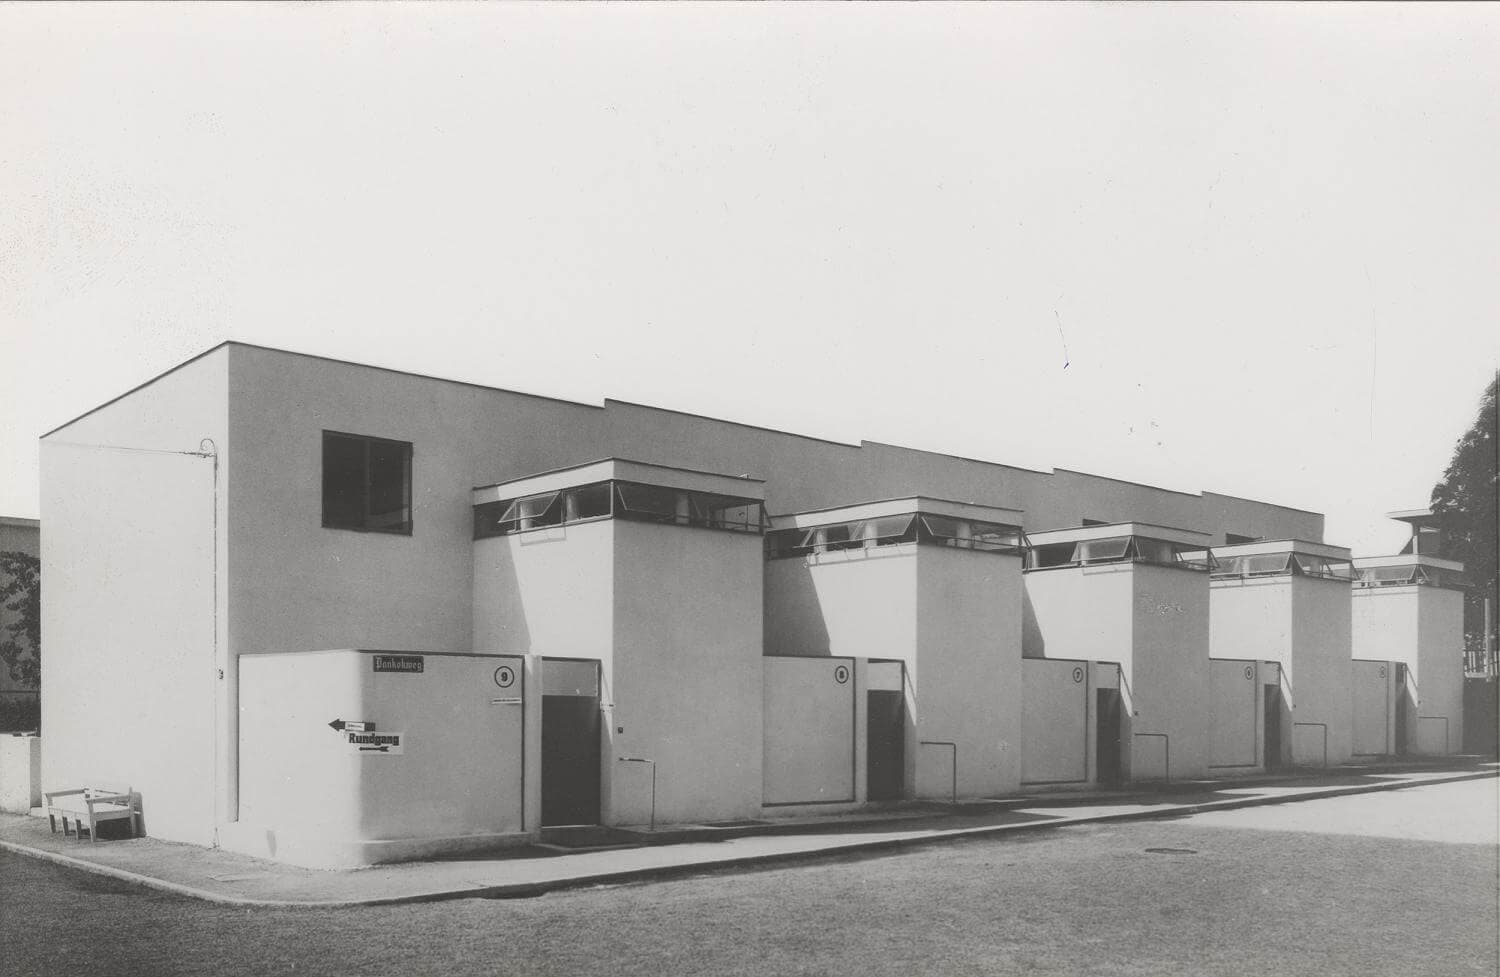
column 690, row 508
column 408, row 471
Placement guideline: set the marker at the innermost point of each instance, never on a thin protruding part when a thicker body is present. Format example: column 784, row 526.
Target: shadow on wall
column 505, row 605
column 794, row 621
column 1033, row 644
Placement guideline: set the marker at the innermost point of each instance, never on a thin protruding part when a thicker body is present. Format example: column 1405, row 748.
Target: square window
column 366, row 484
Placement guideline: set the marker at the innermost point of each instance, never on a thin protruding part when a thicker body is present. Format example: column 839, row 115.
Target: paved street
column 1394, row 883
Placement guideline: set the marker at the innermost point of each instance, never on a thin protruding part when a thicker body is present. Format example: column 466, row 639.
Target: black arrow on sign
column 337, row 724
column 374, row 749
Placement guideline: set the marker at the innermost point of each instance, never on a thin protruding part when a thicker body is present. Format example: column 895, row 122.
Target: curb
column 523, row 890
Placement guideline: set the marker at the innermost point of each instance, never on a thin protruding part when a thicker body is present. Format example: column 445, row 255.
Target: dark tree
column 21, row 638
column 1466, row 502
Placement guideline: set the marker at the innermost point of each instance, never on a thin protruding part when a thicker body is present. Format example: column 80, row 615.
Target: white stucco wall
column 1440, row 672
column 1252, row 619
column 687, row 671
column 673, row 614
column 848, row 602
column 1084, row 613
column 130, row 682
column 1373, row 708
column 1322, row 671
column 809, row 730
column 1384, row 623
column 548, row 593
column 1302, row 623
column 951, row 616
column 1154, row 622
column 1079, row 612
column 20, row 773
column 1169, row 678
column 297, row 783
column 1421, row 627
column 309, row 798
column 968, row 675
column 1236, row 709
column 1054, row 710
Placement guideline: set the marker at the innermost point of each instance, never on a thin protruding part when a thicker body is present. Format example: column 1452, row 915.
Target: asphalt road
column 1402, row 883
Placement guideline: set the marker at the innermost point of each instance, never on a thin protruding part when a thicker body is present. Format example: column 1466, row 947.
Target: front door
column 1403, row 711
column 570, row 742
column 1272, row 723
column 1107, row 736
column 885, row 727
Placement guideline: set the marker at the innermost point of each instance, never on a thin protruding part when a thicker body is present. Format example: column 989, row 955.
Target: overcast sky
column 1251, row 249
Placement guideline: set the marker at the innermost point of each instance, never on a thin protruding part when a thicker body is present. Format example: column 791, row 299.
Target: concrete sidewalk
column 518, row 873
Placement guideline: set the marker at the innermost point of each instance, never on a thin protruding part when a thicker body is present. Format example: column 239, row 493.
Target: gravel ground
column 1403, row 883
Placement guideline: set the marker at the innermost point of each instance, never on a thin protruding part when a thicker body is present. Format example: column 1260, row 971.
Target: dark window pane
column 366, row 483
column 343, row 482
column 649, row 502
column 390, row 486
column 1154, row 550
column 840, row 537
column 487, row 519
column 1102, row 550
column 537, row 511
column 588, row 502
column 1052, row 555
column 785, row 542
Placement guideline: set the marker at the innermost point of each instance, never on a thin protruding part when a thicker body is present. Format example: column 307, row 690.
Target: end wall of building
column 133, row 678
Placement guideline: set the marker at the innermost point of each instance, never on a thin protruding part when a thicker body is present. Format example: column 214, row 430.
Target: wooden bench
column 89, row 807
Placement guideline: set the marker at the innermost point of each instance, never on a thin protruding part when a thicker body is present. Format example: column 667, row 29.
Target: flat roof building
column 931, row 584
column 1134, row 594
column 1287, row 601
column 255, row 520
column 1408, row 614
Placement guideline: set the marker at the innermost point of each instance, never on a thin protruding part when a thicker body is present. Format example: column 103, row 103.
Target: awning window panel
column 1102, row 550
column 651, row 502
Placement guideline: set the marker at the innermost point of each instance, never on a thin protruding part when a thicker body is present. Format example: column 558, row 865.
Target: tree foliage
column 21, row 637
column 1465, row 500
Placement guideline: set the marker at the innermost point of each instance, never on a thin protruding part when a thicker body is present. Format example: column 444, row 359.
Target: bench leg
column 52, row 821
column 93, row 831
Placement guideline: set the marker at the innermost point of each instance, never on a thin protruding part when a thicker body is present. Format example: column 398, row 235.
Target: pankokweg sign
column 410, row 664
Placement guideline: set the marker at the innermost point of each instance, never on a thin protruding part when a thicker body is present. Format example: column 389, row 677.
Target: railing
column 1325, row 738
column 955, row 762
column 636, row 759
column 1479, row 662
column 1167, row 757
